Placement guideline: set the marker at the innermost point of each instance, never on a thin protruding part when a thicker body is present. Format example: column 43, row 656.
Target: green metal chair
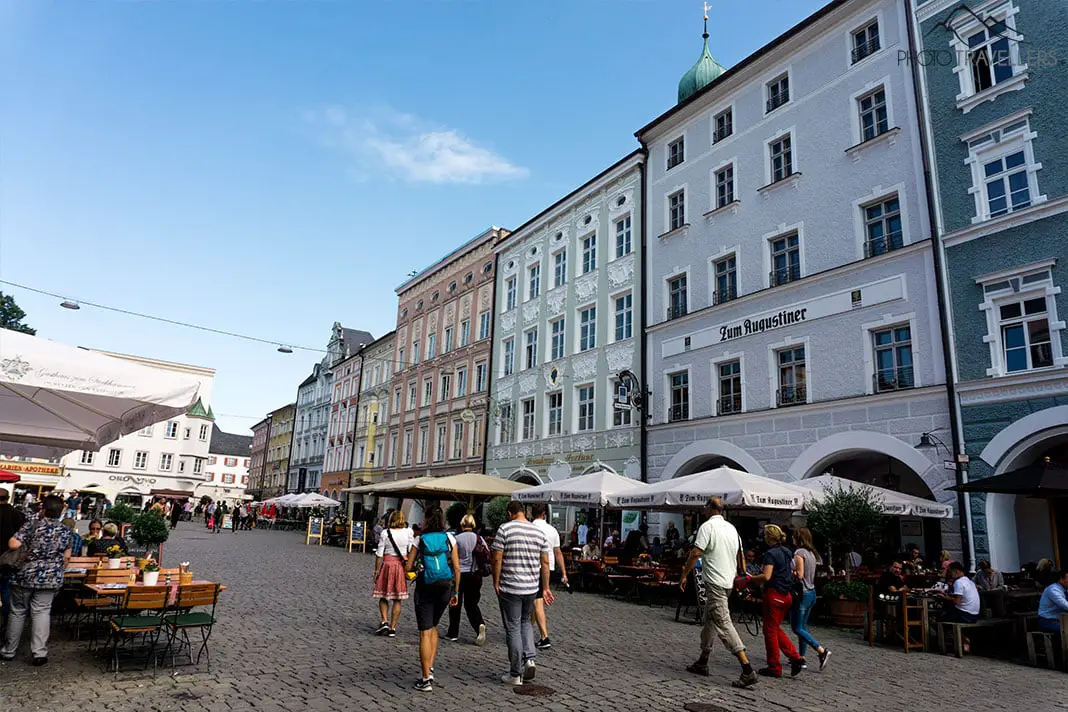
column 142, row 614
column 204, row 596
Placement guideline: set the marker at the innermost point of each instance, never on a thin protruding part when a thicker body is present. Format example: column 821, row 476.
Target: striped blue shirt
column 523, row 546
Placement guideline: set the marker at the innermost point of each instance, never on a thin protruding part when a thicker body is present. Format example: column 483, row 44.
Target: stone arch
column 1005, row 447
column 526, row 475
column 711, row 448
column 598, row 467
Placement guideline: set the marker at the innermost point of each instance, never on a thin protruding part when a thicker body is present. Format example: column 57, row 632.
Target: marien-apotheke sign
column 755, row 326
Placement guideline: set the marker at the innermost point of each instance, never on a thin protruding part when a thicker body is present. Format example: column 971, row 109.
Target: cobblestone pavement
column 295, row 634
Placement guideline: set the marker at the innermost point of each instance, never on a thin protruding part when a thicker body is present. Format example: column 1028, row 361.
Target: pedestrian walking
column 220, row 514
column 391, row 581
column 777, row 578
column 235, row 518
column 176, row 515
column 520, row 569
column 209, row 515
column 805, row 570
column 48, row 548
column 538, row 512
column 73, row 504
column 719, row 547
column 11, row 520
column 437, row 587
column 468, row 542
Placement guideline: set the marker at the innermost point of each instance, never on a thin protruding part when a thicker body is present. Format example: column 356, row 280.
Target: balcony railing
column 729, row 404
column 863, row 50
column 893, row 379
column 778, row 100
column 882, row 245
column 722, row 133
column 720, row 296
column 791, row 395
column 674, row 312
column 785, row 274
column 679, row 412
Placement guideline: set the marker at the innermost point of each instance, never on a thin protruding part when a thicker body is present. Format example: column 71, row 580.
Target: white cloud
column 410, row 148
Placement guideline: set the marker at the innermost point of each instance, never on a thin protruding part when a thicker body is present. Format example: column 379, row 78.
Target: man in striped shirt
column 520, row 569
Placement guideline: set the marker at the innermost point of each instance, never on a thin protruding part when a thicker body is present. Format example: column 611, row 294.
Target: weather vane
column 707, row 8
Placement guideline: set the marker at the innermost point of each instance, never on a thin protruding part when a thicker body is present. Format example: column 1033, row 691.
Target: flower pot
column 114, row 563
column 847, row 614
column 151, row 578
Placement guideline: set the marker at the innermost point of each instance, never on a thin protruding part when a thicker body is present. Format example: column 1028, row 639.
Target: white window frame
column 773, row 368
column 723, row 108
column 465, row 332
column 560, row 276
column 88, row 456
column 533, row 281
column 461, row 382
column 142, row 457
column 615, row 312
column 867, row 332
column 481, row 377
column 511, row 293
column 713, row 183
column 145, row 432
column 1019, row 140
column 879, row 194
column 563, row 339
column 523, row 431
column 583, row 251
column 774, row 77
column 855, row 124
column 681, row 140
column 485, row 325
column 578, row 327
column 736, row 251
column 876, row 19
column 714, row 365
column 507, row 359
column 629, row 231
column 783, row 231
column 170, row 430
column 447, row 342
column 578, row 408
column 548, row 414
column 457, row 442
column 505, row 425
column 428, row 393
column 444, row 387
column 964, row 25
column 685, row 190
column 530, row 348
column 441, row 441
column 668, row 374
column 168, row 458
column 769, row 169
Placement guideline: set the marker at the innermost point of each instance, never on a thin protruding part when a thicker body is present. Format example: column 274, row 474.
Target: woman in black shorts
column 437, row 587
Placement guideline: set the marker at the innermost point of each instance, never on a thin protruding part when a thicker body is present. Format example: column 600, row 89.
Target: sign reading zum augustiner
column 755, row 326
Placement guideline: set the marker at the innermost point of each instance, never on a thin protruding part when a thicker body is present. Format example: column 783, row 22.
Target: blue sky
column 271, row 167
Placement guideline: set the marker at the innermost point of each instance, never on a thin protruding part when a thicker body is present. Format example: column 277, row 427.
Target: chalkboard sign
column 315, row 530
column 357, row 535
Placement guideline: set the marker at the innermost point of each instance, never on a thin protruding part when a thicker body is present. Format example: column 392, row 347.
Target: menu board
column 315, row 531
column 357, row 535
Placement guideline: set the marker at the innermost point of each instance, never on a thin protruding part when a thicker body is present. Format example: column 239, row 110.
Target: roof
column 701, row 74
column 352, row 338
column 308, row 381
column 197, row 411
column 229, row 443
column 745, row 63
column 463, row 249
column 281, row 408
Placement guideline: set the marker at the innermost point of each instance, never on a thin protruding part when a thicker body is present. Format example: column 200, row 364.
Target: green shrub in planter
column 149, row 529
column 121, row 513
column 150, row 567
column 495, row 512
column 845, row 591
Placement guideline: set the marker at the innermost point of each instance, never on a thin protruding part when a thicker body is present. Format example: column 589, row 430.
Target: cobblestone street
column 295, row 634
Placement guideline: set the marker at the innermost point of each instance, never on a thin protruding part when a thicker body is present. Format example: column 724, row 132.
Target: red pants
column 776, row 606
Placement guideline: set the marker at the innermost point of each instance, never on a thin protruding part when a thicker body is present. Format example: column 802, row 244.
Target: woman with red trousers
column 778, row 579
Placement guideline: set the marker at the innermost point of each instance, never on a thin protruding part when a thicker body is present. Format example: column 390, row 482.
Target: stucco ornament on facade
column 511, row 263
column 584, row 366
column 621, row 271
column 554, row 300
column 530, row 311
column 527, row 383
column 508, row 321
column 585, row 286
column 584, row 442
column 615, row 206
column 620, row 356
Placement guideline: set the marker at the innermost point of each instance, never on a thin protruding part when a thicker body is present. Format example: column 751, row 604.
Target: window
column 439, row 443
column 445, row 387
column 509, row 293
column 448, row 340
column 484, row 325
column 88, row 457
column 1025, row 334
column 1006, row 184
column 989, row 56
column 480, row 377
column 424, row 443
column 676, row 296
column 428, row 391
column 140, row 460
column 170, row 431
column 865, row 42
column 782, row 161
column 230, row 462
column 465, row 332
column 392, row 450
column 534, row 282
column 397, row 401
column 476, row 438
column 166, row 460
column 724, row 125
column 676, row 152
column 461, row 382
column 457, row 440
column 411, row 396
column 882, row 227
column 509, row 356
column 228, row 479
column 530, row 354
column 874, row 120
column 725, row 273
column 792, row 390
column 527, row 409
column 585, row 408
column 556, row 413
column 621, row 417
column 679, row 390
column 431, row 346
column 408, row 447
column 676, row 210
column 893, row 358
column 778, row 92
column 415, row 352
column 198, row 466
column 145, row 432
column 557, row 344
column 623, row 239
column 187, row 434
column 401, row 363
column 560, row 268
column 505, row 415
column 730, row 388
column 589, row 254
column 624, row 317
column 785, row 259
column 725, row 186
column 588, row 328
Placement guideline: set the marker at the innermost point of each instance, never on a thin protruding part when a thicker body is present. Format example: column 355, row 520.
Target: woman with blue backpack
column 437, row 587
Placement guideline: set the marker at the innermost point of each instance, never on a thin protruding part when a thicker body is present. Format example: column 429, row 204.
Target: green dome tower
column 700, row 75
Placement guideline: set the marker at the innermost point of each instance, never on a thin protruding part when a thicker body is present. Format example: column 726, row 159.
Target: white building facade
column 792, row 312
column 227, row 469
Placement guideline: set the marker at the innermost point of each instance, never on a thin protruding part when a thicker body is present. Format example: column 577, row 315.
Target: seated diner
column 987, row 579
column 1053, row 604
column 109, row 537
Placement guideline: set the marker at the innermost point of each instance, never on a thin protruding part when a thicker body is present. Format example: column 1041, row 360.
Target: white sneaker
column 529, row 671
column 480, row 640
column 507, row 679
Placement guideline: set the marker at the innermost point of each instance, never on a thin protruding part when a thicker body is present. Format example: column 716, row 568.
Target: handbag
column 483, row 563
column 13, row 559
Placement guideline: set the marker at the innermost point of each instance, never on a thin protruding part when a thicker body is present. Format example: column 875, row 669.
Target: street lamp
column 929, row 440
column 70, row 304
column 283, row 349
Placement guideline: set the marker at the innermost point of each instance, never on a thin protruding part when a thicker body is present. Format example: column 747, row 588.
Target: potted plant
column 846, row 519
column 114, row 556
column 150, row 531
column 150, row 573
column 121, row 513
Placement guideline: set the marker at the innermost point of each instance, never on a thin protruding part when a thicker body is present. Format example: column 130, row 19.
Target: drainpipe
column 352, row 452
column 944, row 316
column 644, row 413
column 489, row 360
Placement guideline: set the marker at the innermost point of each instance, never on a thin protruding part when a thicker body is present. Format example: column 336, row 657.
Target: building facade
column 991, row 73
column 279, row 444
column 440, row 385
column 339, row 438
column 792, row 310
column 371, row 413
column 567, row 322
column 164, row 459
column 258, row 457
column 227, row 470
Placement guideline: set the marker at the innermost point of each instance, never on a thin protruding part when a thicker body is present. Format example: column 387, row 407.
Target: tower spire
column 707, row 8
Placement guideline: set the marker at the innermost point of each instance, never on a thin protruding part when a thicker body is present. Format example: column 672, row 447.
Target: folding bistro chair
column 143, row 611
column 190, row 596
column 94, row 606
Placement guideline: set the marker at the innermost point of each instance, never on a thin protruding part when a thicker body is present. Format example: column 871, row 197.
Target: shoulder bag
column 13, row 559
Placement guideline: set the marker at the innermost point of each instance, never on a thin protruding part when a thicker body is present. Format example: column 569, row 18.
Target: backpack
column 481, row 556
column 436, row 548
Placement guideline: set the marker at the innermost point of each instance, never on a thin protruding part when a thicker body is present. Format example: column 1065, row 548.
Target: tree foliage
column 495, row 511
column 848, row 519
column 149, row 529
column 122, row 513
column 11, row 316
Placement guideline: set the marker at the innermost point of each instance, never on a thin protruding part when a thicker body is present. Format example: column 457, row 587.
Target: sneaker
column 768, row 672
column 392, row 633
column 747, row 679
column 38, row 662
column 426, row 685
column 824, row 656
column 529, row 671
column 431, row 674
column 480, row 640
column 382, row 629
column 507, row 679
column 543, row 644
column 796, row 666
column 452, row 638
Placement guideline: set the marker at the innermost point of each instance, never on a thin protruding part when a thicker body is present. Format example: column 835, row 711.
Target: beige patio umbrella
column 469, row 486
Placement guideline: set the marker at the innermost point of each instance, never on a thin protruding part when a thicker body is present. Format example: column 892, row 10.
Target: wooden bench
column 958, row 629
column 1036, row 638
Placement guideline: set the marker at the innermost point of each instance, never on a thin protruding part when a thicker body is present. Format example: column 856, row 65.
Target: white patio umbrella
column 590, row 490
column 313, row 499
column 893, row 503
column 60, row 398
column 737, row 488
column 285, row 500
